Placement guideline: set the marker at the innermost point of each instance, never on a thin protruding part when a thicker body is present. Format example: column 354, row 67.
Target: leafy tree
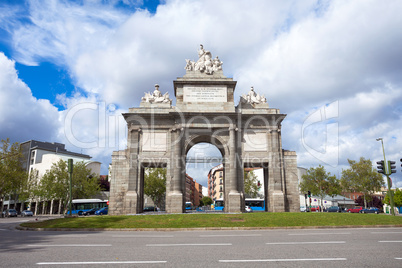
column 397, row 198
column 361, row 177
column 155, row 184
column 250, row 184
column 55, row 183
column 12, row 175
column 320, row 183
column 104, row 184
column 207, row 201
column 374, row 202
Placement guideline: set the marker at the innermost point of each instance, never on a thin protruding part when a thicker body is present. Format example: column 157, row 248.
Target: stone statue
column 253, row 98
column 156, row 96
column 205, row 63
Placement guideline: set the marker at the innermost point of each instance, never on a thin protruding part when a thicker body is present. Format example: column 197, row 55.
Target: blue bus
column 189, row 206
column 219, row 204
column 256, row 204
column 81, row 205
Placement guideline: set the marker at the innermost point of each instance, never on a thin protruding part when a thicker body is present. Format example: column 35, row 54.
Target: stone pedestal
column 278, row 201
column 176, row 203
column 235, row 203
column 130, row 202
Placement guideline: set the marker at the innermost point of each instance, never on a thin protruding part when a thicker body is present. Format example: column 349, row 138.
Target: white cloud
column 22, row 116
column 301, row 55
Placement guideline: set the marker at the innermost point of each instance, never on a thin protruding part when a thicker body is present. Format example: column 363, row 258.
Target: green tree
column 12, row 175
column 320, row 183
column 155, row 184
column 250, row 184
column 207, row 201
column 54, row 184
column 397, row 198
column 361, row 177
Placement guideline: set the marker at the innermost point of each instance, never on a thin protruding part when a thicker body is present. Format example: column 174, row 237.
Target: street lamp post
column 387, row 173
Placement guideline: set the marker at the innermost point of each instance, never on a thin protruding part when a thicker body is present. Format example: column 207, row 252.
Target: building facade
column 38, row 157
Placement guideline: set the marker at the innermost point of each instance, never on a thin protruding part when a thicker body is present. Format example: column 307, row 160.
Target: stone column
column 131, row 199
column 175, row 204
column 234, row 203
column 232, row 159
column 276, row 173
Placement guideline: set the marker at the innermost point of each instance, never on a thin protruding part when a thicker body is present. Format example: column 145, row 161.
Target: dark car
column 150, row 209
column 370, row 210
column 354, row 210
column 102, row 211
column 90, row 212
column 26, row 213
column 334, row 209
column 10, row 213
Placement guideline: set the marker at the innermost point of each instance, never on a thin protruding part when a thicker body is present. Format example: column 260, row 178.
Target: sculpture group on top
column 156, row 96
column 253, row 98
column 205, row 63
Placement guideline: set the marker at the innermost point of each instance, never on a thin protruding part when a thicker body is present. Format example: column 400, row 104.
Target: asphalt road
column 366, row 247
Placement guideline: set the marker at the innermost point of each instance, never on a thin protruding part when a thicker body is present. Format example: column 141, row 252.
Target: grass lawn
column 220, row 220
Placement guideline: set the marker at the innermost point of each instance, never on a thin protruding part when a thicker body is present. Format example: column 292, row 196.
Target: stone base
column 278, row 201
column 176, row 203
column 130, row 203
column 235, row 204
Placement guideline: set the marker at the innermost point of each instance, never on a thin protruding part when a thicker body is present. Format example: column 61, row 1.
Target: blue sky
column 341, row 59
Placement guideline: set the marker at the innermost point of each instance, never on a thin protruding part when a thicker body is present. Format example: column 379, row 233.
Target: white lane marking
column 386, row 232
column 286, row 260
column 230, row 235
column 398, row 258
column 306, row 243
column 100, row 262
column 144, row 236
column 3, row 229
column 389, row 241
column 72, row 245
column 185, row 245
column 320, row 234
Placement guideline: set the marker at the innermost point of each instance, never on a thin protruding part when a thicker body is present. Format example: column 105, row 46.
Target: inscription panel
column 154, row 141
column 205, row 94
column 255, row 142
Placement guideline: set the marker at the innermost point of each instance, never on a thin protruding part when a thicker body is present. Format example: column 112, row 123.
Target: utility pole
column 387, row 172
column 70, row 170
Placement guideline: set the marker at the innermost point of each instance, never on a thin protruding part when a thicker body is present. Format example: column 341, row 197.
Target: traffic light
column 380, row 167
column 309, row 194
column 401, row 164
column 391, row 167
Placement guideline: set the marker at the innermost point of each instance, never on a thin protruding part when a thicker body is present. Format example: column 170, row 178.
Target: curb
column 204, row 228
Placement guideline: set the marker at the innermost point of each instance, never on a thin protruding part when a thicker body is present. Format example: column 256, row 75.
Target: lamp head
column 379, row 139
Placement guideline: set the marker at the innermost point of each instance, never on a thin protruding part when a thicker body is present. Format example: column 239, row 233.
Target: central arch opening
column 204, row 176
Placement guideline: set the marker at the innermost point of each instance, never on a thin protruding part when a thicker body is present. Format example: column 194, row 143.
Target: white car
column 249, row 209
column 303, row 209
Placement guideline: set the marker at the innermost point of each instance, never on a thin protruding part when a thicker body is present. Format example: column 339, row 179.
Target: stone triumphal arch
column 160, row 135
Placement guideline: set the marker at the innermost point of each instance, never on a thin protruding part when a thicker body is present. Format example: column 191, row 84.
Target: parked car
column 249, row 209
column 315, row 208
column 334, row 209
column 26, row 213
column 370, row 210
column 90, row 212
column 147, row 209
column 304, row 209
column 354, row 210
column 102, row 211
column 10, row 213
